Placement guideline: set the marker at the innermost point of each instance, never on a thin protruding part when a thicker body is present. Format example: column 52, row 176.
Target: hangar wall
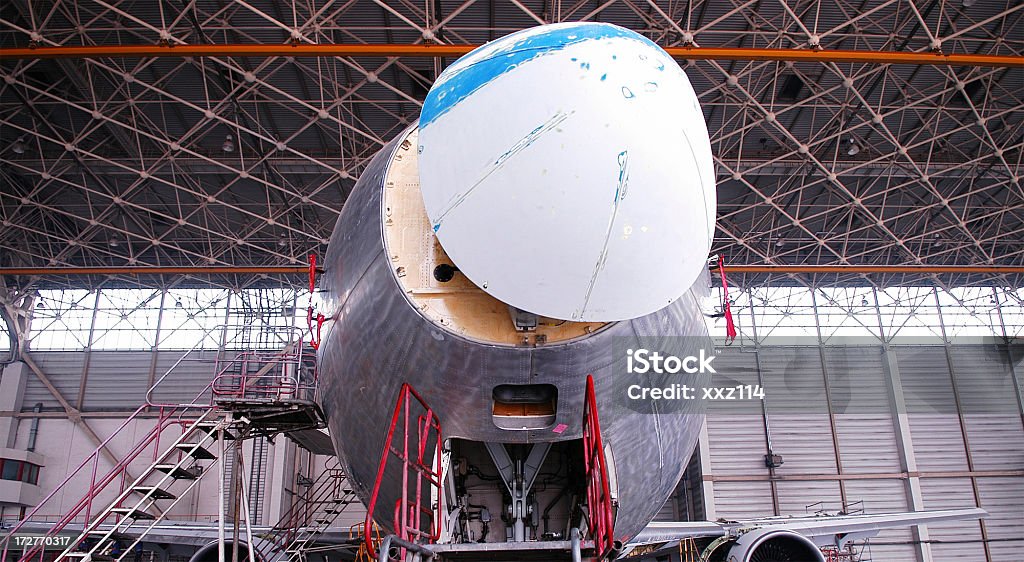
column 888, row 421
column 861, row 443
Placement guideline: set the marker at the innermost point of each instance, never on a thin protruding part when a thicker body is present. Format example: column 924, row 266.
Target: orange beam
column 873, row 269
column 303, row 270
column 430, row 50
column 217, row 270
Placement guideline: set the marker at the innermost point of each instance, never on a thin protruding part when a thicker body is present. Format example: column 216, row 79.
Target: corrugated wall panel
column 863, row 414
column 736, row 428
column 989, row 404
column 996, row 440
column 931, row 406
column 857, row 382
column 117, row 380
column 797, row 410
column 956, row 540
column 983, row 379
column 867, row 443
column 737, row 500
column 805, row 443
column 190, row 377
column 927, row 387
column 736, row 441
column 737, row 444
column 808, row 497
column 667, row 511
column 63, row 369
column 1003, row 498
column 882, row 496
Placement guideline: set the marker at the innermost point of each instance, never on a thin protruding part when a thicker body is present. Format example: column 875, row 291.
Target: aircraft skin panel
column 378, row 341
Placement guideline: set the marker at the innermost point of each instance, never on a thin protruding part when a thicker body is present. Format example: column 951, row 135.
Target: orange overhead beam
column 875, row 269
column 430, row 50
column 212, row 270
column 304, row 270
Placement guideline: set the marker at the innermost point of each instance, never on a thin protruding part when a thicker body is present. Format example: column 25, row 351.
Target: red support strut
column 599, row 499
column 730, row 325
column 410, row 512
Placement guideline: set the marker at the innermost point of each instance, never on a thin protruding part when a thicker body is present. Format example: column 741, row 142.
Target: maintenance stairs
column 304, row 524
column 414, row 440
column 252, row 394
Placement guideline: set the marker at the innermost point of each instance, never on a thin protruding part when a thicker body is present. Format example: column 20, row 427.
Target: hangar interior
column 902, row 389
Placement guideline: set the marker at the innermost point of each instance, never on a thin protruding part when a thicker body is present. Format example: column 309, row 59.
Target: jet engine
column 767, row 545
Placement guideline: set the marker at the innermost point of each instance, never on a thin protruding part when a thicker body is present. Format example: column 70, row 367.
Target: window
column 11, row 470
column 19, row 471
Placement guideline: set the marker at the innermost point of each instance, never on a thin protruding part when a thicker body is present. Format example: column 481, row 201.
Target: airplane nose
column 567, row 171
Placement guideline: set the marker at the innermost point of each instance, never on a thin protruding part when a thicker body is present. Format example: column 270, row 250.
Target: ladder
column 135, row 499
column 176, row 466
column 308, row 518
column 421, row 474
column 139, row 502
column 265, row 390
column 599, row 502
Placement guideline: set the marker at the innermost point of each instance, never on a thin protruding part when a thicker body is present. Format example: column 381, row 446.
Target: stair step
column 322, row 521
column 154, row 492
column 133, row 513
column 195, row 451
column 180, row 473
column 209, row 426
column 101, row 532
column 87, row 556
column 331, row 511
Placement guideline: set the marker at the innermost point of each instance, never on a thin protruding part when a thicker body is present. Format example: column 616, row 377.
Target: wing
column 805, row 533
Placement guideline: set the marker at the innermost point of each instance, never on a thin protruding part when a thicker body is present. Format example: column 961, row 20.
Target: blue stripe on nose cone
column 460, row 81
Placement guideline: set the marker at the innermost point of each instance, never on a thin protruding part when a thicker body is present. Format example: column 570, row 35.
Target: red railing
column 275, row 375
column 281, row 380
column 326, row 493
column 599, row 499
column 410, row 513
column 98, row 483
column 265, row 376
column 168, row 415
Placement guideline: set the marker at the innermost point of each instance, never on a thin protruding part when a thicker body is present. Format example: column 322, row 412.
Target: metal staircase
column 250, row 394
column 296, row 534
column 172, row 475
column 115, row 500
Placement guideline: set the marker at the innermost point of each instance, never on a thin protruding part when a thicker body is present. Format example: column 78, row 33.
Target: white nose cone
column 567, row 171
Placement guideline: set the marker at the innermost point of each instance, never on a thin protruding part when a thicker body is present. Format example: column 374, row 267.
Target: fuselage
column 385, row 329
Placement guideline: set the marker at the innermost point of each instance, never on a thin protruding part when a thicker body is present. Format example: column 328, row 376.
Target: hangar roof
column 247, row 161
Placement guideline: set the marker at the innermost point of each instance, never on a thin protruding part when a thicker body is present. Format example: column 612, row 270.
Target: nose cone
column 567, row 171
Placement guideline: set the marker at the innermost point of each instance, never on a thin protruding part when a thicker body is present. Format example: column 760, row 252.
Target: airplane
column 551, row 212
column 504, row 279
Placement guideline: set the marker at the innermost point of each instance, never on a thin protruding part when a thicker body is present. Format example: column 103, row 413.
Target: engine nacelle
column 209, row 553
column 773, row 545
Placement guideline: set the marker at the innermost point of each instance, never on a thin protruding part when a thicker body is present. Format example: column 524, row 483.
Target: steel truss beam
column 936, row 180
column 436, row 51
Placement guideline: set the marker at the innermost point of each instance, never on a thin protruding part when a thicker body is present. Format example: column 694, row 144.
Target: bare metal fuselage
column 378, row 340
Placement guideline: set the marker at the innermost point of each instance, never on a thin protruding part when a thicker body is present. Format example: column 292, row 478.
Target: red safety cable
column 312, row 273
column 314, row 335
column 730, row 326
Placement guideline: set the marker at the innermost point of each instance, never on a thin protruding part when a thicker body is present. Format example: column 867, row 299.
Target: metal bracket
column 523, row 321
